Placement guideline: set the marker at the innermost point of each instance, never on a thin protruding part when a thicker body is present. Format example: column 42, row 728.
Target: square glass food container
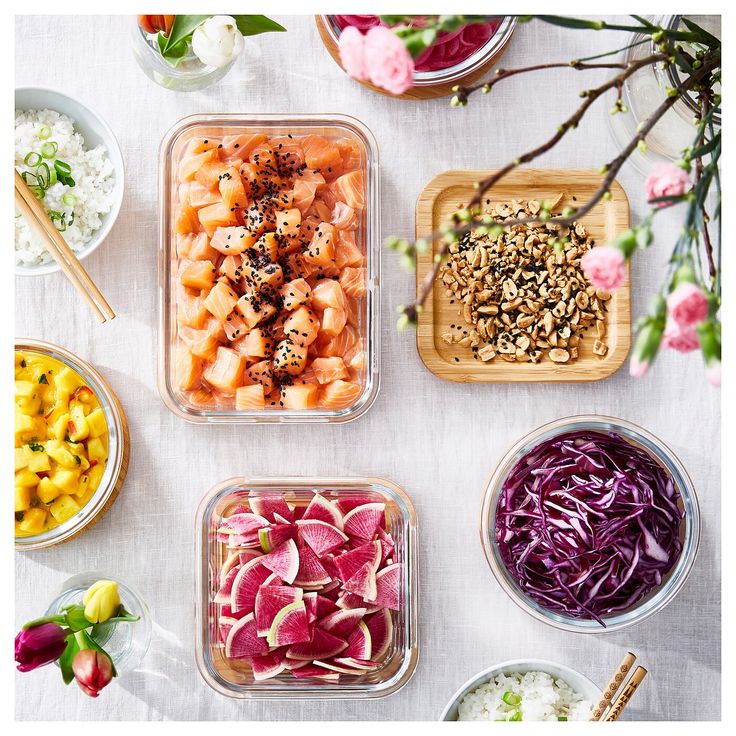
column 234, row 678
column 367, row 238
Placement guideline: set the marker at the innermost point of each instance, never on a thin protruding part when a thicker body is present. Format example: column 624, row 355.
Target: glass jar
column 188, row 75
column 125, row 641
column 645, row 90
column 671, row 583
column 118, row 453
column 233, row 677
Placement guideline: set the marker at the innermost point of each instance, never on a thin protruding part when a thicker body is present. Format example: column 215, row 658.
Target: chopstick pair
column 609, row 709
column 35, row 215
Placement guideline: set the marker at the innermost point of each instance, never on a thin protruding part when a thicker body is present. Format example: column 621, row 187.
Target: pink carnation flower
column 387, row 62
column 638, row 368
column 666, row 180
column 677, row 337
column 352, row 53
column 687, row 305
column 605, row 267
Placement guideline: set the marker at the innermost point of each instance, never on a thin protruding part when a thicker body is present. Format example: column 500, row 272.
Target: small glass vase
column 643, row 92
column 125, row 641
column 188, row 75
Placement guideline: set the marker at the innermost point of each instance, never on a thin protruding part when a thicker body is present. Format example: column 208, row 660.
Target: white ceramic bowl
column 574, row 679
column 95, row 131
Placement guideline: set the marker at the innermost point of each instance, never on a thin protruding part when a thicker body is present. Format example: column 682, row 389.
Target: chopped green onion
column 44, row 132
column 52, row 177
column 63, row 172
column 561, row 718
column 69, row 199
column 43, row 174
column 49, row 149
column 32, row 159
column 515, row 716
column 511, row 698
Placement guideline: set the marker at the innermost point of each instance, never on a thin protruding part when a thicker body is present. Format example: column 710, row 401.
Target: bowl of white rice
column 71, row 159
column 524, row 690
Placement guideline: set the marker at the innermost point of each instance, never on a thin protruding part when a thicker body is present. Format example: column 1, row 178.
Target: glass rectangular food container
column 189, row 404
column 234, row 678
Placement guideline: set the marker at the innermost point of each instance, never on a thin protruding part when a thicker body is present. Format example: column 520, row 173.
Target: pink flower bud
column 93, row 671
column 666, row 180
column 39, row 645
column 352, row 53
column 713, row 373
column 605, row 267
column 677, row 337
column 687, row 305
column 387, row 61
column 638, row 368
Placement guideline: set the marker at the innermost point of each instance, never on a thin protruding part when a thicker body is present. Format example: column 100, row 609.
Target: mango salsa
column 61, row 443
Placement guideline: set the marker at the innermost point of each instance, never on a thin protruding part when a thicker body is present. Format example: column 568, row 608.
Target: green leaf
column 123, row 615
column 59, row 619
column 67, row 657
column 75, row 618
column 85, row 641
column 181, row 30
column 708, row 38
column 253, row 25
column 174, row 54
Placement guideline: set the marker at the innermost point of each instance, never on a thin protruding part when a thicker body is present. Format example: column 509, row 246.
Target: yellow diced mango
column 26, row 478
column 60, row 452
column 97, row 423
column 66, row 381
column 63, row 508
column 21, row 459
column 96, row 450
column 47, row 491
column 94, row 476
column 78, row 429
column 25, row 389
column 23, row 423
column 34, row 521
column 23, row 497
column 66, row 479
column 38, row 462
column 59, row 427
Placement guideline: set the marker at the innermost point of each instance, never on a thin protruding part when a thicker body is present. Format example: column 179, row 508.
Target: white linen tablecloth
column 437, row 440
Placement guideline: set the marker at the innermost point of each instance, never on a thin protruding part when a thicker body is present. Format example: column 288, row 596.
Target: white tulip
column 217, row 41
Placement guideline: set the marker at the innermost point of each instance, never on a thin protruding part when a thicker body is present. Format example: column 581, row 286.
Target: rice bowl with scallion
column 74, row 184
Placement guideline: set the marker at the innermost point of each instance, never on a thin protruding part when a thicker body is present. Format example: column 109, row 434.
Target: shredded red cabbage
column 588, row 524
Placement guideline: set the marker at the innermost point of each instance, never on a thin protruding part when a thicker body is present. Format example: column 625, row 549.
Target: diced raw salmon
column 353, row 311
column 268, row 277
column 264, row 157
column 322, row 155
column 329, row 346
column 321, row 251
column 288, row 222
column 210, row 173
column 261, row 372
column 230, row 240
column 250, row 398
column 347, row 252
column 232, row 267
column 190, row 164
column 268, row 244
column 251, row 178
column 349, row 188
column 198, row 275
column 198, row 145
column 328, row 293
column 183, row 244
column 199, row 195
column 333, row 321
column 202, row 398
column 300, row 396
column 221, row 300
column 242, row 144
column 186, row 220
column 302, row 326
column 314, row 177
column 350, row 153
column 234, row 327
column 226, row 373
column 303, row 195
column 339, row 394
column 216, row 215
column 320, row 211
column 353, row 281
column 296, row 293
column 200, row 342
column 190, row 310
column 327, row 370
column 188, row 369
column 289, row 358
column 257, row 344
column 201, row 250
column 214, row 327
column 355, row 360
column 344, row 217
column 307, row 375
column 254, row 310
column 289, row 153
column 232, row 189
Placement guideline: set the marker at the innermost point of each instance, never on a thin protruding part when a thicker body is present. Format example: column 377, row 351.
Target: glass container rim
column 373, row 261
column 115, row 419
column 326, row 691
column 655, row 601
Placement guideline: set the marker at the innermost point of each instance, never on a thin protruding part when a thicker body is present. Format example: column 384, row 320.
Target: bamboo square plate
column 452, row 189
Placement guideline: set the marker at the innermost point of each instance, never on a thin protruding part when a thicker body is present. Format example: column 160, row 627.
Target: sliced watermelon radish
column 359, row 643
column 323, row 510
column 388, row 583
column 311, row 670
column 320, row 536
column 363, row 583
column 269, row 665
column 381, row 627
column 325, row 606
column 328, row 562
column 246, row 555
column 233, row 560
column 311, row 573
column 347, row 504
column 333, row 665
column 388, row 546
column 323, row 645
column 249, row 579
column 224, row 629
column 363, row 521
column 227, row 612
column 284, row 561
column 242, row 524
column 270, row 600
column 290, row 626
column 267, row 506
column 349, row 600
column 295, row 664
column 272, row 536
column 342, row 622
column 310, row 603
column 349, row 563
column 243, row 640
column 224, row 593
column 358, row 664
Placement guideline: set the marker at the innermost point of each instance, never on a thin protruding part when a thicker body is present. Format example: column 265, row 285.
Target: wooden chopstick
column 626, row 694
column 613, row 685
column 36, row 217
